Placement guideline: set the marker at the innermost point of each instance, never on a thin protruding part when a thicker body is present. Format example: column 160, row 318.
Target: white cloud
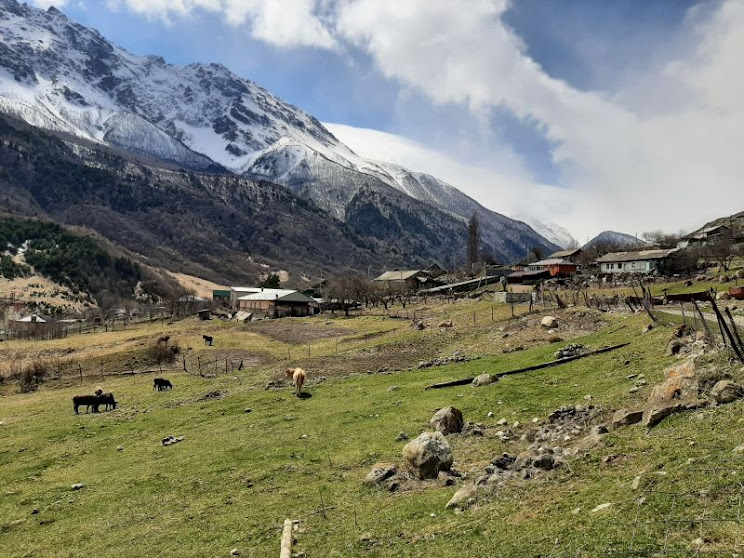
column 627, row 168
column 508, row 190
column 286, row 23
column 44, row 4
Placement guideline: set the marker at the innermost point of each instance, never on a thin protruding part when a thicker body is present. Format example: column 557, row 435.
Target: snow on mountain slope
column 615, row 240
column 62, row 76
column 554, row 233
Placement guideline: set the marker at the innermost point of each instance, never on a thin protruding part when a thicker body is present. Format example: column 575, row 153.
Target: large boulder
column 447, row 420
column 483, row 380
column 624, row 417
column 726, row 391
column 549, row 322
column 428, row 454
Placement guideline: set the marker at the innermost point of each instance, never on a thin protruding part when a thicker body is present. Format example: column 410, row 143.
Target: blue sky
column 561, row 110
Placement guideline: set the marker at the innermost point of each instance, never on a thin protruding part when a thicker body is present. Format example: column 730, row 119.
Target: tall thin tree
column 473, row 240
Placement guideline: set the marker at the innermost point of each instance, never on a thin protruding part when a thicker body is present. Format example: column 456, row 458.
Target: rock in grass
column 428, row 454
column 77, row 486
column 401, row 437
column 549, row 322
column 463, row 497
column 624, row 417
column 380, row 472
column 447, row 420
column 726, row 391
column 602, row 507
column 483, row 380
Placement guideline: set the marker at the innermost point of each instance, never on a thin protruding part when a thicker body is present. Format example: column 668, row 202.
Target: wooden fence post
column 286, row 544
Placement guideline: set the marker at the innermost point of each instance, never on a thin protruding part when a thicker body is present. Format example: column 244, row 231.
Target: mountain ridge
column 61, row 76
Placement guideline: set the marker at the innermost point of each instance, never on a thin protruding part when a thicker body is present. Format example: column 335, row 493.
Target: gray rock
column 462, row 497
column 428, row 454
column 379, row 473
column 447, row 420
column 624, row 417
column 483, row 380
column 600, row 429
column 726, row 391
column 549, row 322
column 401, row 437
column 77, row 486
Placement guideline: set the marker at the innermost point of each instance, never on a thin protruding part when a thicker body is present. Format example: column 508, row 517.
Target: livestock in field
column 108, row 400
column 208, row 340
column 164, row 339
column 87, row 400
column 298, row 376
column 161, row 384
column 99, row 390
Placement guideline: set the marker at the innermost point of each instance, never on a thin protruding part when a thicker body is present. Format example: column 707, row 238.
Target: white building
column 643, row 261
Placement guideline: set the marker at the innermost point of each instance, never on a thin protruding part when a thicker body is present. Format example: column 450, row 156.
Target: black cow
column 208, row 340
column 161, row 383
column 94, row 401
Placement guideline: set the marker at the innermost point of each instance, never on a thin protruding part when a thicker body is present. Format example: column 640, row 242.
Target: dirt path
column 708, row 317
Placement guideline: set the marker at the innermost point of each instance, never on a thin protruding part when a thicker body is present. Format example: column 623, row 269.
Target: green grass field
column 237, row 475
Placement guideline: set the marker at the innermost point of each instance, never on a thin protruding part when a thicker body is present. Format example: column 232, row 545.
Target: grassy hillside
column 83, row 265
column 237, row 475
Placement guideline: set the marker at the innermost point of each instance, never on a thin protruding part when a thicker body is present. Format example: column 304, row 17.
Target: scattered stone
column 35, row 511
column 723, row 295
column 489, row 414
column 576, row 511
column 447, row 420
column 625, row 417
column 462, row 497
column 602, row 507
column 234, row 552
column 170, row 440
column 647, row 328
column 119, row 448
column 77, row 486
column 600, row 430
column 549, row 322
column 726, row 391
column 428, row 454
column 636, row 483
column 483, row 380
column 393, row 388
column 247, row 410
column 555, row 339
column 446, row 324
column 401, row 437
column 303, row 436
column 380, row 473
column 634, row 389
column 631, row 376
column 502, row 422
column 588, row 398
column 570, row 350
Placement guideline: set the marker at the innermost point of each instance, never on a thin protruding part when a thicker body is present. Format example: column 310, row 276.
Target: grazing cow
column 208, row 340
column 99, row 390
column 161, row 384
column 108, row 400
column 87, row 400
column 164, row 339
column 298, row 378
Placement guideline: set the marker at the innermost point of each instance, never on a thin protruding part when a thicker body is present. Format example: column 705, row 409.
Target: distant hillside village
column 661, row 257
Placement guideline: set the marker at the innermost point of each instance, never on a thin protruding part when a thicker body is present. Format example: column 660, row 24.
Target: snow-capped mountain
column 61, row 76
column 554, row 233
column 612, row 239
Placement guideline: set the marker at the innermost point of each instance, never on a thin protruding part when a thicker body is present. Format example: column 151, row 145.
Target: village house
column 705, row 236
column 571, row 255
column 277, row 303
column 412, row 279
column 556, row 267
column 643, row 261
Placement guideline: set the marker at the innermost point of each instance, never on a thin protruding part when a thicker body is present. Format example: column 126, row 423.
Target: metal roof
column 399, row 275
column 553, row 261
column 565, row 253
column 641, row 255
column 283, row 295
